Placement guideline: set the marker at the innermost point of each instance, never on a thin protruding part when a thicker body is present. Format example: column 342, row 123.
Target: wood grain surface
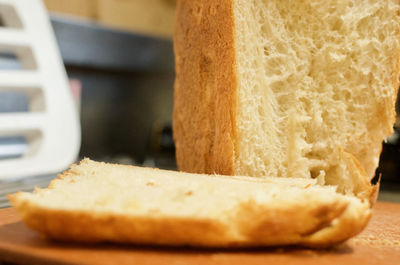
column 378, row 244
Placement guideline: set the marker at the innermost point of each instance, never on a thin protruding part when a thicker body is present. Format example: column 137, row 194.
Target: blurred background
column 118, row 55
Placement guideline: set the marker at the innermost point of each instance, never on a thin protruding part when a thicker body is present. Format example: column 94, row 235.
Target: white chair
column 51, row 126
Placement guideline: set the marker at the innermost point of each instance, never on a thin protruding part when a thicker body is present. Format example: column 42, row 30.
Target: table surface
column 378, row 244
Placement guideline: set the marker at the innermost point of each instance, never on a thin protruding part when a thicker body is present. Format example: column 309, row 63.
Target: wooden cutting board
column 378, row 244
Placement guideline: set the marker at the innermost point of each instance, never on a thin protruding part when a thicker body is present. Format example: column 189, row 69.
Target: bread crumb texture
column 316, row 79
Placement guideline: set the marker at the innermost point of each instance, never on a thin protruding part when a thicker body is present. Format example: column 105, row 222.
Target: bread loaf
column 96, row 202
column 286, row 88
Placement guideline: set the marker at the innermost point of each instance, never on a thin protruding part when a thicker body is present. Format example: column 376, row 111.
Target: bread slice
column 285, row 88
column 95, row 202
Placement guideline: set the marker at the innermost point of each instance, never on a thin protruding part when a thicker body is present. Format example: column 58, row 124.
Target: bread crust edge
column 205, row 86
column 312, row 222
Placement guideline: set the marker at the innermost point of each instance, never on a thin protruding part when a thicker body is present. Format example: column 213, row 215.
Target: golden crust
column 309, row 221
column 80, row 226
column 320, row 226
column 205, row 86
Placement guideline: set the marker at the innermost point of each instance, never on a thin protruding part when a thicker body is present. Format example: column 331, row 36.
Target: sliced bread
column 286, row 88
column 96, row 202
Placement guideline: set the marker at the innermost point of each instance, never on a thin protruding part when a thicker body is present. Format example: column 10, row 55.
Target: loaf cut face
column 286, row 88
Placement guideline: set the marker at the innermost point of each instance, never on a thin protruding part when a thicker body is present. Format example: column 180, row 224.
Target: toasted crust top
column 205, row 86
